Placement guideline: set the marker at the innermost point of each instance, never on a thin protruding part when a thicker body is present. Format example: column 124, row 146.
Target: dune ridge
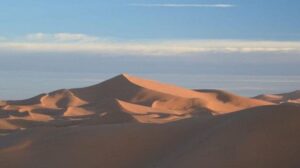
column 139, row 99
column 291, row 97
column 128, row 121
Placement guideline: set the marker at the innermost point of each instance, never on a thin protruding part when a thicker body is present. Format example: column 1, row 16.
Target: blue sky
column 186, row 37
column 246, row 19
column 208, row 36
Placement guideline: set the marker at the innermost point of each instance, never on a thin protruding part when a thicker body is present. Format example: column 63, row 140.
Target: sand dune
column 123, row 98
column 292, row 97
column 260, row 137
column 130, row 122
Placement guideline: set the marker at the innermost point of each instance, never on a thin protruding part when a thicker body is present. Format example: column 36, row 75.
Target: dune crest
column 141, row 100
column 291, row 97
column 128, row 122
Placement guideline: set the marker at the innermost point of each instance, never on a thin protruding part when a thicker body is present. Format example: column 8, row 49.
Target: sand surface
column 292, row 97
column 128, row 121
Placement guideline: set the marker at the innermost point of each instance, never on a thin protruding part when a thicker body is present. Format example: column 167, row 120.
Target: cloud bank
column 81, row 43
column 60, row 37
column 177, row 5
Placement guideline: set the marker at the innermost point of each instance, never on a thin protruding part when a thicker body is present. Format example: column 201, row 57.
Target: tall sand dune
column 127, row 122
column 139, row 99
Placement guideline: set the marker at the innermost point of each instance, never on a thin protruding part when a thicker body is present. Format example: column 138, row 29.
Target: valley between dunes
column 130, row 122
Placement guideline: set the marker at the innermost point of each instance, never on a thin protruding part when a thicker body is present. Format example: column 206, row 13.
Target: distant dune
column 128, row 122
column 292, row 97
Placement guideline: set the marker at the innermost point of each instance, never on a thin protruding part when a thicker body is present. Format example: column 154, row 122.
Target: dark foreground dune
column 129, row 122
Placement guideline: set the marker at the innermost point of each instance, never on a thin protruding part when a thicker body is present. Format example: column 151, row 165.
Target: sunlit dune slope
column 123, row 98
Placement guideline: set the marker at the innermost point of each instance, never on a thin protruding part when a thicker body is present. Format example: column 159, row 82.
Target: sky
column 192, row 36
column 140, row 19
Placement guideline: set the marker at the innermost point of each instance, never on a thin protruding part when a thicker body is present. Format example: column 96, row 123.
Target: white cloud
column 37, row 37
column 60, row 37
column 81, row 43
column 74, row 37
column 178, row 5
